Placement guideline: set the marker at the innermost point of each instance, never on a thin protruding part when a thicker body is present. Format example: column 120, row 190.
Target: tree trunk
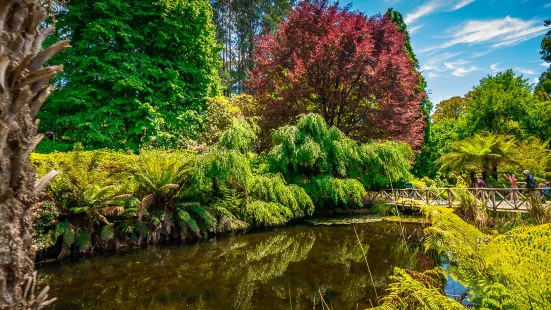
column 23, row 89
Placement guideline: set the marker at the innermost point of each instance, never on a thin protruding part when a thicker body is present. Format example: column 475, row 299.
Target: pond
column 287, row 268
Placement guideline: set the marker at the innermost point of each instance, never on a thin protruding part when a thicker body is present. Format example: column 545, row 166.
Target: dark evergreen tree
column 423, row 162
column 138, row 72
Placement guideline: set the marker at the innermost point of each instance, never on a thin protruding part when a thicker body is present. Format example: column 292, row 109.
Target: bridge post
column 449, row 197
column 494, row 205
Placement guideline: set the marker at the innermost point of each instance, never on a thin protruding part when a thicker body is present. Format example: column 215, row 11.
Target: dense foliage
column 490, row 154
column 502, row 106
column 138, row 72
column 104, row 199
column 352, row 70
column 502, row 271
column 332, row 167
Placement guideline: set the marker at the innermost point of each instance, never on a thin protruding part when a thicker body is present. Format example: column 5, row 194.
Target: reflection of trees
column 245, row 272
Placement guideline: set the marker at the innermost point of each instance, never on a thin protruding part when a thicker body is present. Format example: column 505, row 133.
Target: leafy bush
column 85, row 194
column 328, row 191
column 261, row 213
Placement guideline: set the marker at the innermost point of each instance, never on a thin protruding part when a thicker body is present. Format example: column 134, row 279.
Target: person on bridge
column 480, row 185
column 530, row 180
column 513, row 180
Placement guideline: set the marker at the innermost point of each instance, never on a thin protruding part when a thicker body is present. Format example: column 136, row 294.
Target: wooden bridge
column 496, row 199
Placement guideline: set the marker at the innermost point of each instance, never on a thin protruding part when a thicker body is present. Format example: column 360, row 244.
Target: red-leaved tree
column 351, row 69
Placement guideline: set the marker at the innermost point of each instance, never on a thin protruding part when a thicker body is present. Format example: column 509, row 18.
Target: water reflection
column 264, row 270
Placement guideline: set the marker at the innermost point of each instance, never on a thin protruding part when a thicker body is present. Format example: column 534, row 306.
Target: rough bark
column 23, row 89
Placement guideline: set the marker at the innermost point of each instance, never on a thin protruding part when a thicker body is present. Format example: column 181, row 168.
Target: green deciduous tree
column 450, row 109
column 499, row 104
column 139, row 72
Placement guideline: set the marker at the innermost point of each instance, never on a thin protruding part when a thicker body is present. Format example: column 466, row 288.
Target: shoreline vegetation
column 106, row 200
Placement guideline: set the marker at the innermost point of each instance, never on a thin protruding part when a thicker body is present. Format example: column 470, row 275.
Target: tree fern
column 510, row 270
column 107, row 233
column 412, row 290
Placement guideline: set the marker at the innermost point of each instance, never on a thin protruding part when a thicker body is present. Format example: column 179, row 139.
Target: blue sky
column 458, row 42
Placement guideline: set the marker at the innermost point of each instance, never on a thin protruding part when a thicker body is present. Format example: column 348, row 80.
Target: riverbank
column 279, row 267
column 340, row 218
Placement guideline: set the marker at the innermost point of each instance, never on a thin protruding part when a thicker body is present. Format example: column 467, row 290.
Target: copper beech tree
column 351, row 69
column 23, row 89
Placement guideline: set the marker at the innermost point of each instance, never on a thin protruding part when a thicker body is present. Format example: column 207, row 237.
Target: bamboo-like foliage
column 23, row 89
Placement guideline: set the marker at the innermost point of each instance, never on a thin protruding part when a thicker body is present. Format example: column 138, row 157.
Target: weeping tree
column 23, row 89
column 332, row 167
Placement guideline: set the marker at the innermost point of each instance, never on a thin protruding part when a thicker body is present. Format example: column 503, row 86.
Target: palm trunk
column 23, row 89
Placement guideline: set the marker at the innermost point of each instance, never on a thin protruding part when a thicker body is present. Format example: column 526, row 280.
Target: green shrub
column 266, row 214
column 47, row 146
column 328, row 191
column 272, row 188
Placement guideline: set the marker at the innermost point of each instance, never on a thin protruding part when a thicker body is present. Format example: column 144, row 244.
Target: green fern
column 518, row 261
column 412, row 290
column 83, row 241
column 107, row 233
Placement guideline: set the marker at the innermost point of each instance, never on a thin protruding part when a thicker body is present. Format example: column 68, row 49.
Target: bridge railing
column 493, row 198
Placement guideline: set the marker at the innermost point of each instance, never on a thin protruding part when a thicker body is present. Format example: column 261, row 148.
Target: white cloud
column 480, row 54
column 421, row 11
column 547, row 5
column 545, row 64
column 494, row 67
column 526, row 71
column 450, row 65
column 435, row 6
column 462, row 4
column 500, row 32
column 464, row 71
column 445, row 63
column 414, row 29
column 432, row 75
column 434, row 63
column 536, row 80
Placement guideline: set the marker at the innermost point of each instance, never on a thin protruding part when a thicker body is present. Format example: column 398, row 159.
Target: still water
column 287, row 268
